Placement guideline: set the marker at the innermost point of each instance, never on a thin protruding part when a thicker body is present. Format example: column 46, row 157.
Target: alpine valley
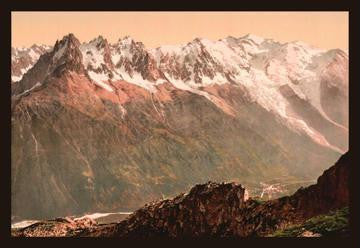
column 100, row 127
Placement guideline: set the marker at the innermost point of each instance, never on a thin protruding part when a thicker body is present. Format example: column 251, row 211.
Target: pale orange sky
column 322, row 29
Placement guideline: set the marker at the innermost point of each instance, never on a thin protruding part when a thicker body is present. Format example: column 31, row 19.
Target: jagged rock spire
column 66, row 54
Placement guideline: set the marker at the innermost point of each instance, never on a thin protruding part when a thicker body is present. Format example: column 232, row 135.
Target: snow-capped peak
column 200, row 40
column 98, row 41
column 127, row 42
column 257, row 39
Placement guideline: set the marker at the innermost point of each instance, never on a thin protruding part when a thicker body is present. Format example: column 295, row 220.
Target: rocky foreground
column 220, row 210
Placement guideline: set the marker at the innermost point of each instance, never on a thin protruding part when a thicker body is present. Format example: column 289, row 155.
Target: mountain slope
column 112, row 126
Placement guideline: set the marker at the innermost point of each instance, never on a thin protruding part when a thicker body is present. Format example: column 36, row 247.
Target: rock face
column 206, row 210
column 109, row 127
column 221, row 210
column 330, row 192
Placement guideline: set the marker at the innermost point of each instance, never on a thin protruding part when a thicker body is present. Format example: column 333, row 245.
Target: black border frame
column 163, row 5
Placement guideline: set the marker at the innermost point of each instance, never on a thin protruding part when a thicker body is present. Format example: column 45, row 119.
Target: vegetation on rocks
column 335, row 223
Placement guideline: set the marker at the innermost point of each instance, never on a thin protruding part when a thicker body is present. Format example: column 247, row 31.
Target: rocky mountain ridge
column 266, row 70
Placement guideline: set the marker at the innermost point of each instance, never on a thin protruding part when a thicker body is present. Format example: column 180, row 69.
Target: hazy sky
column 321, row 29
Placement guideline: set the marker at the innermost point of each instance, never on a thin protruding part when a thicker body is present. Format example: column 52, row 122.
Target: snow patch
column 91, row 55
column 99, row 78
column 16, row 78
column 24, row 70
column 115, row 57
column 137, row 79
column 59, row 53
column 95, row 216
column 257, row 39
column 34, row 56
column 180, row 84
column 38, row 84
column 23, row 224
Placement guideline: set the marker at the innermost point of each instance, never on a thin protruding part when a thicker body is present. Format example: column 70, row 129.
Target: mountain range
column 100, row 126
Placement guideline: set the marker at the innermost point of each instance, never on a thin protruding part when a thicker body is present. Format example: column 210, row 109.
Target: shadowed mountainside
column 220, row 210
